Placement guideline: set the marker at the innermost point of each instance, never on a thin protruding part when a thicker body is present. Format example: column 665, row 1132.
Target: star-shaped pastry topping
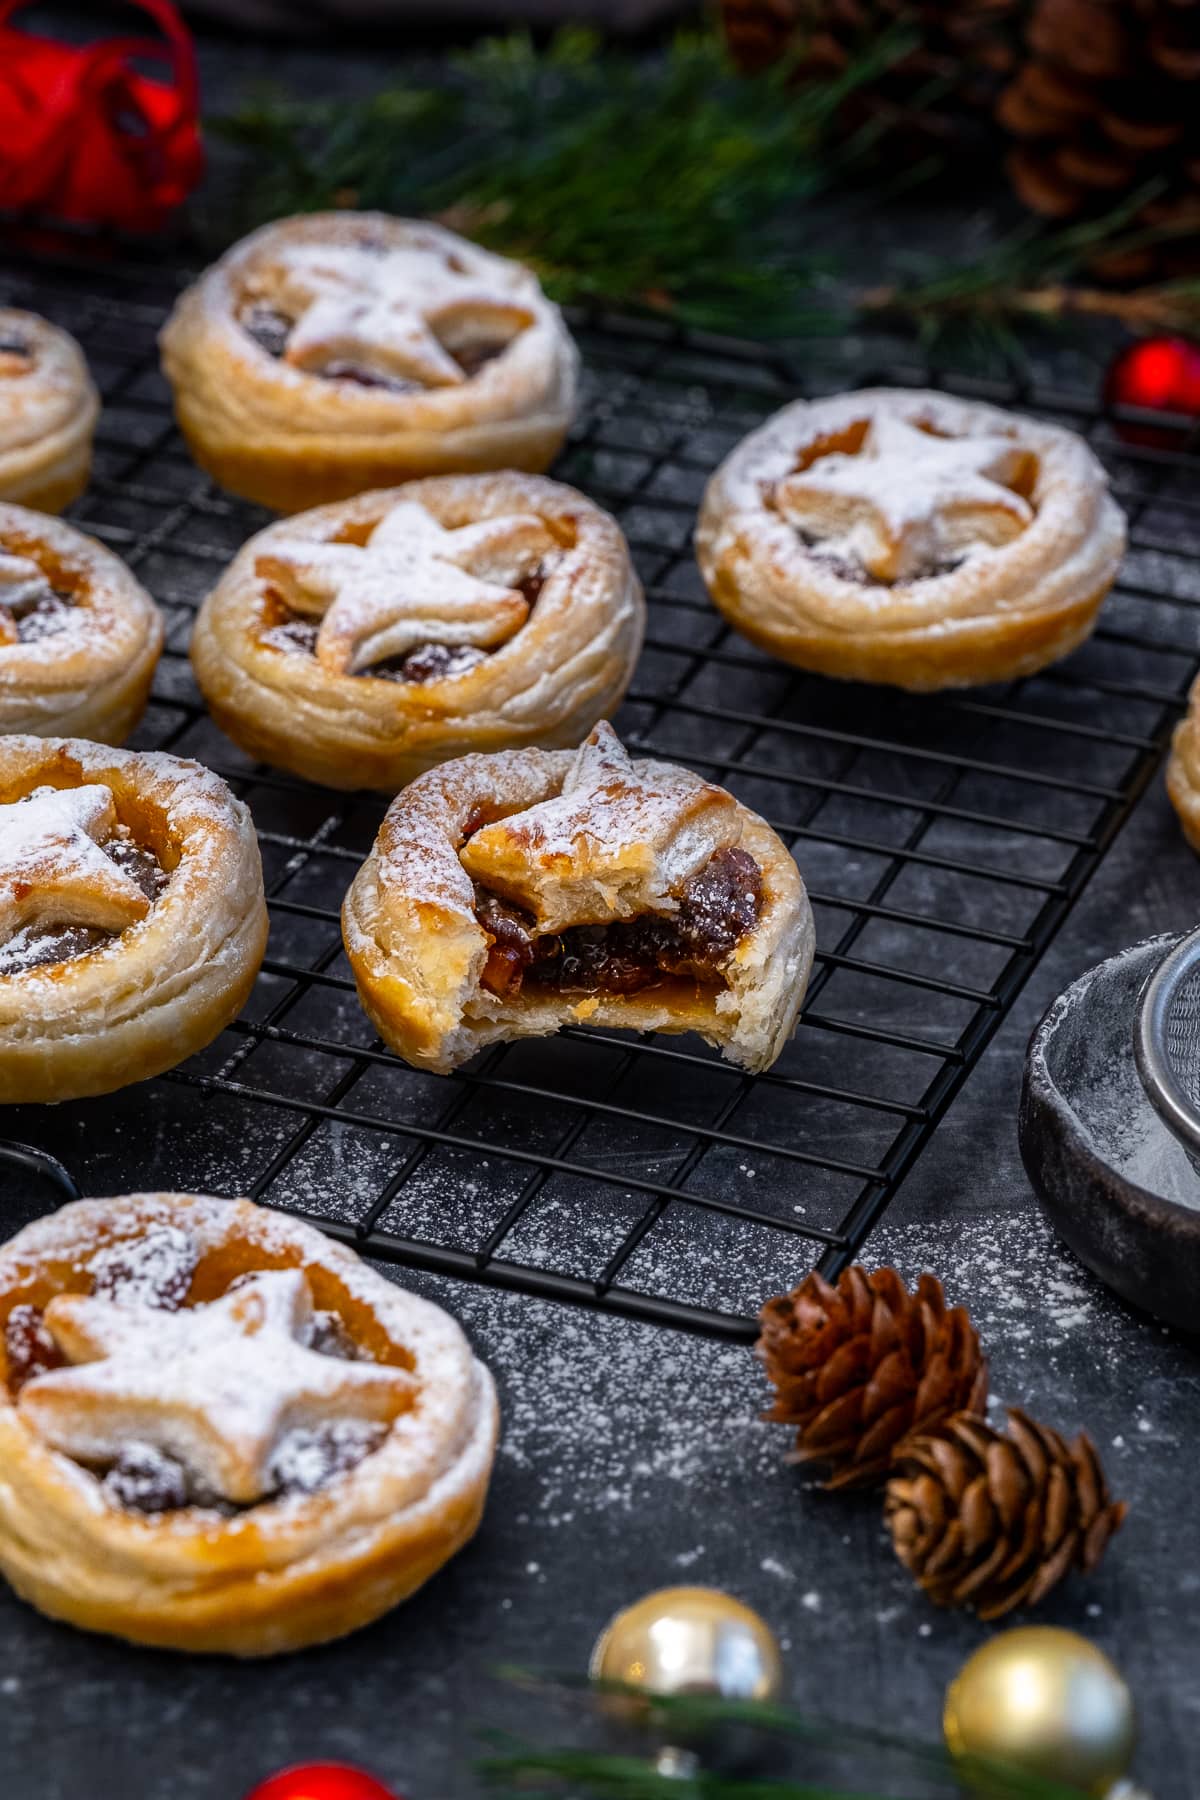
column 621, row 839
column 413, row 583
column 21, row 579
column 52, row 869
column 909, row 500
column 217, row 1386
column 387, row 308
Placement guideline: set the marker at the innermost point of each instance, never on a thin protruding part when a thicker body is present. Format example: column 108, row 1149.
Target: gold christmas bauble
column 1047, row 1702
column 690, row 1640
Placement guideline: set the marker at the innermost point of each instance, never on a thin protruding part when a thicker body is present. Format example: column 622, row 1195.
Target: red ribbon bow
column 85, row 137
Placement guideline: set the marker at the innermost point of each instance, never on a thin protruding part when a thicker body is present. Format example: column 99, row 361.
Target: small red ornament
column 321, row 1781
column 85, row 137
column 1161, row 374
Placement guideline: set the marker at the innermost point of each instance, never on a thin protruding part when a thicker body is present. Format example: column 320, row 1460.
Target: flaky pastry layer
column 48, row 412
column 286, row 1573
column 566, row 667
column 292, row 439
column 418, row 951
column 166, row 986
column 1005, row 611
column 91, row 679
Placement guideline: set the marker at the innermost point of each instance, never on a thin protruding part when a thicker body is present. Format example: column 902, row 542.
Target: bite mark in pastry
column 48, row 412
column 362, row 643
column 79, row 637
column 220, row 1432
column 509, row 895
column 132, row 920
column 910, row 538
column 337, row 352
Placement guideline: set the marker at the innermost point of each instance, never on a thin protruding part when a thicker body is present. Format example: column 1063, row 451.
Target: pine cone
column 940, row 92
column 994, row 1520
column 859, row 1366
column 1107, row 100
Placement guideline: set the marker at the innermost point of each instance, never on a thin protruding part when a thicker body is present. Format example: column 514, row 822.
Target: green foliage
column 670, row 183
column 516, row 1770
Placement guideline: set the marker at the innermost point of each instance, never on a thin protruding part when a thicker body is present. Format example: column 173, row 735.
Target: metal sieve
column 1166, row 1042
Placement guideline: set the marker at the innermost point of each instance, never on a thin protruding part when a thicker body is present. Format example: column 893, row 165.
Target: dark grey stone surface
column 633, row 1457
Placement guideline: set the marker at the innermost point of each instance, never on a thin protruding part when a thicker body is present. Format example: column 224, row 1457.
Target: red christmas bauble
column 87, row 135
column 321, row 1781
column 1161, row 374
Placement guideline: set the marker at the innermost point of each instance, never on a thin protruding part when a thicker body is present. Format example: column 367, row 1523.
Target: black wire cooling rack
column 943, row 841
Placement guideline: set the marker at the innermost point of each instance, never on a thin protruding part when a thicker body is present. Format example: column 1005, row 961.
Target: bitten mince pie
column 221, row 1432
column 509, row 895
column 79, row 637
column 910, row 538
column 48, row 412
column 132, row 920
column 364, row 642
column 343, row 351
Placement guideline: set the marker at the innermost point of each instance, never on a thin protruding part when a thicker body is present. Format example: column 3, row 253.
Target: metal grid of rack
column 943, row 840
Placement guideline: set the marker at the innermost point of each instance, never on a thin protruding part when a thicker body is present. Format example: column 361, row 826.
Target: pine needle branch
column 619, row 1776
column 669, row 183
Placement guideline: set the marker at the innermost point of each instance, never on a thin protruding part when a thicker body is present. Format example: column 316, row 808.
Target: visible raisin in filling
column 36, row 616
column 36, row 945
column 473, row 356
column 717, row 907
column 269, row 329
column 292, row 632
column 157, row 1270
column 847, row 568
column 14, row 346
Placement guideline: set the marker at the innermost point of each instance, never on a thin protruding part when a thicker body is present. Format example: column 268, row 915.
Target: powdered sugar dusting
column 378, row 303
column 52, row 866
column 410, row 584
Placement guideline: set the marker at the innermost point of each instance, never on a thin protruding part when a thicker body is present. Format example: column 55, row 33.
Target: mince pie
column 132, row 920
column 221, row 1432
column 509, row 895
column 48, row 412
column 79, row 637
column 366, row 641
column 1183, row 769
column 343, row 351
column 910, row 538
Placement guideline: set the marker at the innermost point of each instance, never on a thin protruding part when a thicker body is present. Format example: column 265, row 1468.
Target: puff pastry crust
column 365, row 642
column 48, row 412
column 145, row 1494
column 1183, row 769
column 79, row 637
column 329, row 354
column 509, row 895
column 910, row 538
column 132, row 919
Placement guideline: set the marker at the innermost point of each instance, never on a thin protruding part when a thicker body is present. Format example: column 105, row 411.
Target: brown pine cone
column 1105, row 101
column 993, row 1520
column 859, row 1366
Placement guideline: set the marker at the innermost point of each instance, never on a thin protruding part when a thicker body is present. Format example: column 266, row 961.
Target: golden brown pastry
column 48, row 413
column 1183, row 769
column 343, row 351
column 79, row 637
column 132, row 920
column 910, row 538
column 509, row 895
column 366, row 641
column 220, row 1431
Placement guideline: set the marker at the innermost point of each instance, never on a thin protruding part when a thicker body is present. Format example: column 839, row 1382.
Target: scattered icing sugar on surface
column 410, row 584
